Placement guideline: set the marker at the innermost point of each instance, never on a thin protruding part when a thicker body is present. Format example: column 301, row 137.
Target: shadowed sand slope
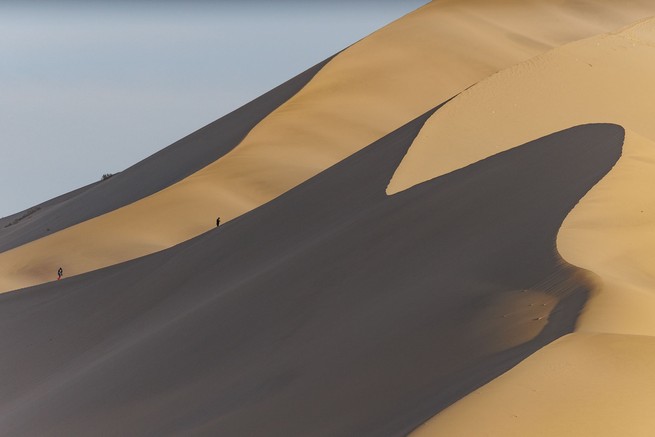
column 363, row 93
column 332, row 310
column 154, row 173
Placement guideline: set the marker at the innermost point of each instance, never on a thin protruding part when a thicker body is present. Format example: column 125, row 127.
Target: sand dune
column 325, row 305
column 606, row 78
column 332, row 310
column 368, row 90
column 610, row 232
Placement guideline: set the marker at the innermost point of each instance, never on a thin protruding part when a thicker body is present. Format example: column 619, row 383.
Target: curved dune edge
column 607, row 78
column 599, row 380
column 370, row 89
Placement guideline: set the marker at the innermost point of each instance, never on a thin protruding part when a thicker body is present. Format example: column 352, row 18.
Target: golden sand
column 580, row 385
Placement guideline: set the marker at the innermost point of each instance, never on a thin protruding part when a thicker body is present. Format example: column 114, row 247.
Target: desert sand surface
column 610, row 233
column 584, row 384
column 448, row 228
column 332, row 310
column 363, row 93
column 607, row 78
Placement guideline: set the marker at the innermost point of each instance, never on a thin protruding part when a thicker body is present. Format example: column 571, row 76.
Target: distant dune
column 448, row 228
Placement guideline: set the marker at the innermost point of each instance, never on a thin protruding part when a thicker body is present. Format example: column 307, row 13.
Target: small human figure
column 218, row 221
column 60, row 273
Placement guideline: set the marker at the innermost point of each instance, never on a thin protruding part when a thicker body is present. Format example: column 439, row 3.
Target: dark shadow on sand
column 333, row 310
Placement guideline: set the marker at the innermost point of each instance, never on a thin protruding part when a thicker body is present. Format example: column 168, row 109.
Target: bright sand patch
column 580, row 385
column 368, row 90
column 584, row 384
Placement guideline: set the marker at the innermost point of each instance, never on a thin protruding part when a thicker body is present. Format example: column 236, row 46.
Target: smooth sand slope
column 366, row 91
column 581, row 385
column 332, row 310
column 611, row 233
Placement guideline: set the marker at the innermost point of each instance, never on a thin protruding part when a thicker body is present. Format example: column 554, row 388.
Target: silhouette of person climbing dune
column 218, row 221
column 60, row 273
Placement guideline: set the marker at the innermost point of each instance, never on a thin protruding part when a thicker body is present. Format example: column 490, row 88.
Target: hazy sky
column 88, row 88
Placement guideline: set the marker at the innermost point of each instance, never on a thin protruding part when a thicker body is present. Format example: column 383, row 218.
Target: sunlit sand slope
column 604, row 78
column 332, row 310
column 366, row 91
column 611, row 232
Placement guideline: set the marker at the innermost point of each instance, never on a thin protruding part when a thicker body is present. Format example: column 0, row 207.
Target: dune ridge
column 364, row 92
column 609, row 233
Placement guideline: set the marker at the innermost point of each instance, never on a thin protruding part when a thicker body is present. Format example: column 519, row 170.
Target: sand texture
column 585, row 384
column 333, row 310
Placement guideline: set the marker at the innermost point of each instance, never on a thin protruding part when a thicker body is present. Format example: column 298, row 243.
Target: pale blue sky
column 88, row 88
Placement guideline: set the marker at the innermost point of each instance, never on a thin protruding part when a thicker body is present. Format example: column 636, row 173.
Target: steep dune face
column 609, row 233
column 366, row 91
column 332, row 310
